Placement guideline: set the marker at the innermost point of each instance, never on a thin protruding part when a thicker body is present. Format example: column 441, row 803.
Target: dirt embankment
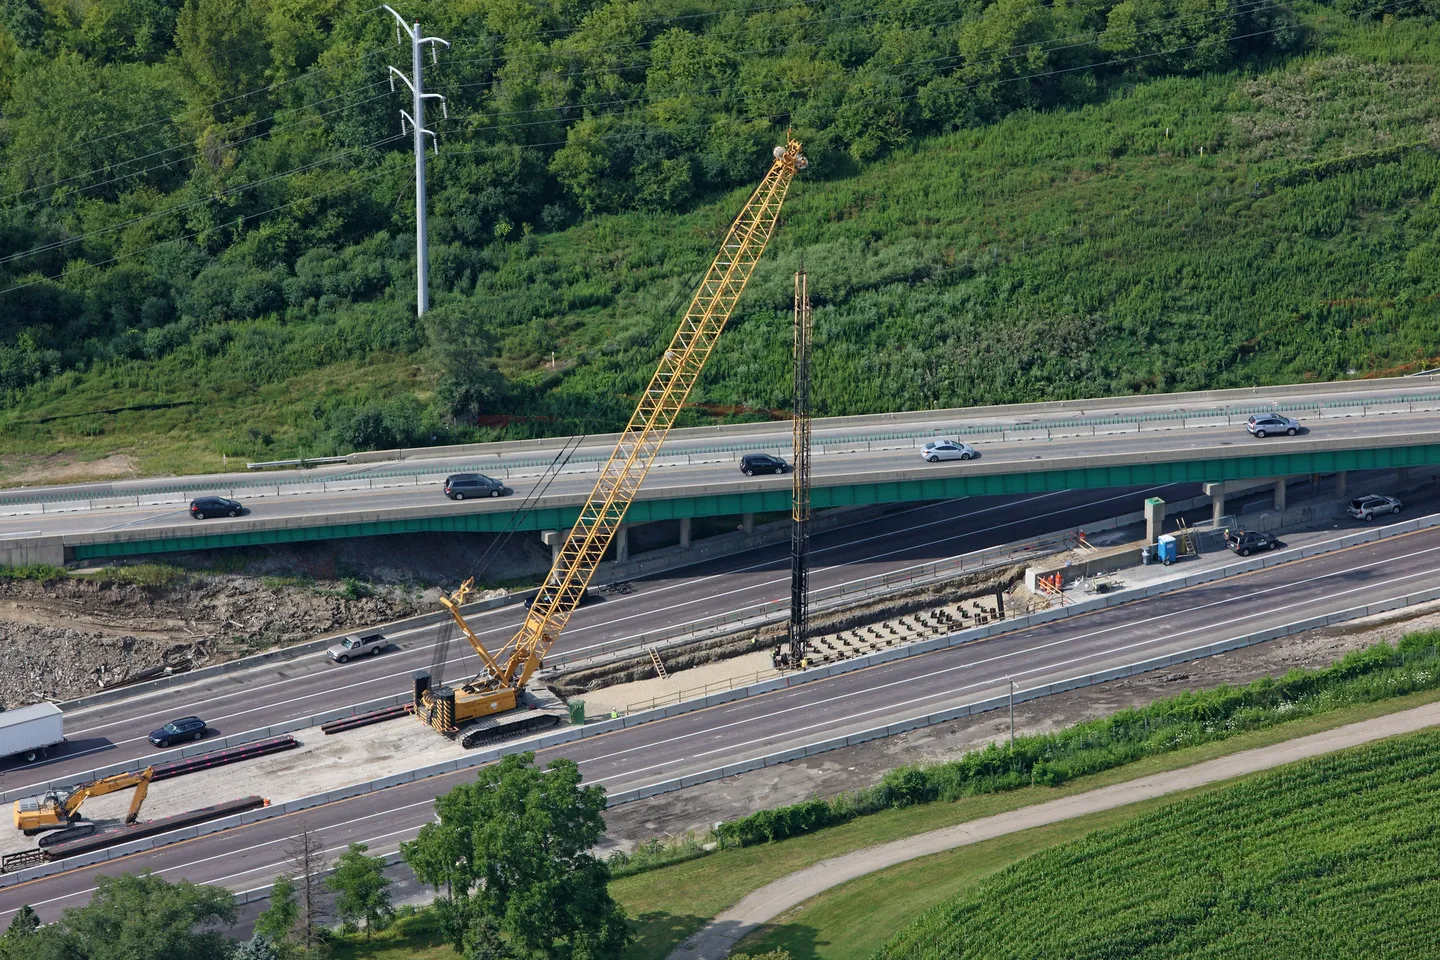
column 68, row 637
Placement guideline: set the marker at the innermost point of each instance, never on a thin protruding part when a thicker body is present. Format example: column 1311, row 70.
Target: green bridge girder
column 940, row 487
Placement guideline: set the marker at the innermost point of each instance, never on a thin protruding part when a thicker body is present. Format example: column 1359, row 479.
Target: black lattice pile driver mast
column 497, row 687
column 800, row 500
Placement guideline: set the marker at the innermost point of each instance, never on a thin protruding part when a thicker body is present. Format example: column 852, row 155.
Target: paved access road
column 692, row 461
column 309, row 685
column 249, row 857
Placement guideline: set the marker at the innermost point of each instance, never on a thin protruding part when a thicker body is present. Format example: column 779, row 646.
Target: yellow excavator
column 498, row 686
column 37, row 814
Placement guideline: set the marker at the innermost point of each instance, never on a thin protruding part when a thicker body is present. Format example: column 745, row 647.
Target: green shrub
column 34, row 571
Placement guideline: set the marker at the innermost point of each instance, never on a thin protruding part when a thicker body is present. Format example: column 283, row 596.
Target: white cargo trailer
column 26, row 732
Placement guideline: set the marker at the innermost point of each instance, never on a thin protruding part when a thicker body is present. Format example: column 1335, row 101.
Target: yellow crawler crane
column 497, row 688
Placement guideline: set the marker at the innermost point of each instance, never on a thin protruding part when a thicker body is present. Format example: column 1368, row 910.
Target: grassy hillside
column 1338, row 857
column 1070, row 252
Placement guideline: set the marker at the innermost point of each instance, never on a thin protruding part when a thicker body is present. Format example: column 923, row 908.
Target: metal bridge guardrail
column 1052, row 427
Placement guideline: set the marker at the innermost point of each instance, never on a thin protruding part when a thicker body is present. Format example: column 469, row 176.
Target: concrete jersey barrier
column 570, row 734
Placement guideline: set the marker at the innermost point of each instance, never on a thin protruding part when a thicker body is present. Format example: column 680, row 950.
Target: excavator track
column 72, row 832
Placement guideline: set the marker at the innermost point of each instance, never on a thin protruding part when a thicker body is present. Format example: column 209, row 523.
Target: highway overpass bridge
column 1024, row 448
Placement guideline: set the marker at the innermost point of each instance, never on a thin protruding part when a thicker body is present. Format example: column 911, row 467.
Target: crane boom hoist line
column 498, row 685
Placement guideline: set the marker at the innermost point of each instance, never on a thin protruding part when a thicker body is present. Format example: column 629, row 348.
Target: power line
column 168, row 163
column 1053, row 44
column 176, row 117
column 898, row 98
column 1020, row 51
column 231, row 191
column 636, row 44
column 318, row 71
column 198, row 233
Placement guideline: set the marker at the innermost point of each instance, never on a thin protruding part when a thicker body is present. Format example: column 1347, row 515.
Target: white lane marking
column 951, row 692
column 257, row 846
column 811, row 705
column 250, row 691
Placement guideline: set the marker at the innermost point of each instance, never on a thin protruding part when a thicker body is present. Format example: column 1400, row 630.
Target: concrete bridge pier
column 554, row 539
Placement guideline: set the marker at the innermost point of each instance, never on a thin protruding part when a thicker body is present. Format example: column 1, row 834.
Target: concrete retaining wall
column 1104, row 561
column 30, row 551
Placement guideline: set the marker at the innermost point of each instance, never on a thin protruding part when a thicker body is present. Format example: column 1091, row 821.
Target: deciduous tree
column 513, row 850
column 363, row 888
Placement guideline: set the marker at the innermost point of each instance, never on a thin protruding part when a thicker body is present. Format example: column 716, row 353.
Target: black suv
column 1244, row 541
column 753, row 463
column 202, row 507
column 459, row 486
column 186, row 728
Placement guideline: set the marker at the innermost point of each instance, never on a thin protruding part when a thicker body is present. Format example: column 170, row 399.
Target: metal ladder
column 659, row 664
column 1189, row 542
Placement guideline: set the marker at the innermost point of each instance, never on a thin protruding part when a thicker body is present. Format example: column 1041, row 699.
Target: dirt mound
column 68, row 637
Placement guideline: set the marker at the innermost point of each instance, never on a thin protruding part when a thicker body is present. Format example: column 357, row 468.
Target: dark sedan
column 178, row 731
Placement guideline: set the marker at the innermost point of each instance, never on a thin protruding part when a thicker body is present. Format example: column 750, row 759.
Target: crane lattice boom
column 640, row 442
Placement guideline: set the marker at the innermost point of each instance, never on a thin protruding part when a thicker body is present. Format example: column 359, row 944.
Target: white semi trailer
column 27, row 732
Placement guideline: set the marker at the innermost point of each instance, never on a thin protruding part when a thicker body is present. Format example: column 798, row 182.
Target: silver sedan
column 937, row 450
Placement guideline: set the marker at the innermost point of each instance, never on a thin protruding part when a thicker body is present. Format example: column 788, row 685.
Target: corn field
column 1333, row 858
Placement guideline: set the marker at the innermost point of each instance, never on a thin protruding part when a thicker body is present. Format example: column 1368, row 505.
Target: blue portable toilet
column 1166, row 549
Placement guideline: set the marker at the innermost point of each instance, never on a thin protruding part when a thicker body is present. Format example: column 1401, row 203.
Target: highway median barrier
column 791, row 751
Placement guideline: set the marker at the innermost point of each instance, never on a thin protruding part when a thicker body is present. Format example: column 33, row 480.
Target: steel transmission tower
column 416, row 116
column 800, row 507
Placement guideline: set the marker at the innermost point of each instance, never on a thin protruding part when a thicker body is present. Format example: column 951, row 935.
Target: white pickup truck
column 355, row 645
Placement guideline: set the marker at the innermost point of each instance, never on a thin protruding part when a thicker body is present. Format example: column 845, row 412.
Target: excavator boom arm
column 640, row 443
column 98, row 788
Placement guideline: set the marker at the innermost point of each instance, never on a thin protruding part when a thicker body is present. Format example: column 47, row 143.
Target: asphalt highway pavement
column 249, row 857
column 309, row 685
column 684, row 468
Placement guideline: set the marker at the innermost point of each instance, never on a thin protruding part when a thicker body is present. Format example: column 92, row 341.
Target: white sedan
column 937, row 450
